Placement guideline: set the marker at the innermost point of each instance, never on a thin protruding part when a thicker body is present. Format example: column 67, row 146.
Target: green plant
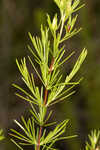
column 93, row 143
column 1, row 135
column 48, row 55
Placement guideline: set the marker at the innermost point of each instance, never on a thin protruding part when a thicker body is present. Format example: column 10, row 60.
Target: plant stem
column 50, row 70
column 45, row 100
column 45, row 96
column 51, row 66
column 40, row 133
column 61, row 29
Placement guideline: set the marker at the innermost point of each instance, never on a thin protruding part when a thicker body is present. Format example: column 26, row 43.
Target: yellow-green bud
column 54, row 23
column 66, row 7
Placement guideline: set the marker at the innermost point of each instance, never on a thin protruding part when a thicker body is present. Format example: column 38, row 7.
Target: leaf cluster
column 94, row 138
column 30, row 134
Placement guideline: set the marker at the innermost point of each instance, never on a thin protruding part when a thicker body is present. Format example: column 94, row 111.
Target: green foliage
column 94, row 138
column 54, row 88
column 1, row 135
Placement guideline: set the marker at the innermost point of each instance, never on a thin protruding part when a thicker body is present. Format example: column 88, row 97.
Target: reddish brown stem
column 68, row 28
column 51, row 65
column 45, row 101
column 45, row 96
column 40, row 133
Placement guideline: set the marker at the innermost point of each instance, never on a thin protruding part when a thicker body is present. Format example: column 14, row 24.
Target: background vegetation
column 16, row 19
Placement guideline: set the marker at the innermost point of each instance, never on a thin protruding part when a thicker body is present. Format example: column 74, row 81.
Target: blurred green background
column 17, row 18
